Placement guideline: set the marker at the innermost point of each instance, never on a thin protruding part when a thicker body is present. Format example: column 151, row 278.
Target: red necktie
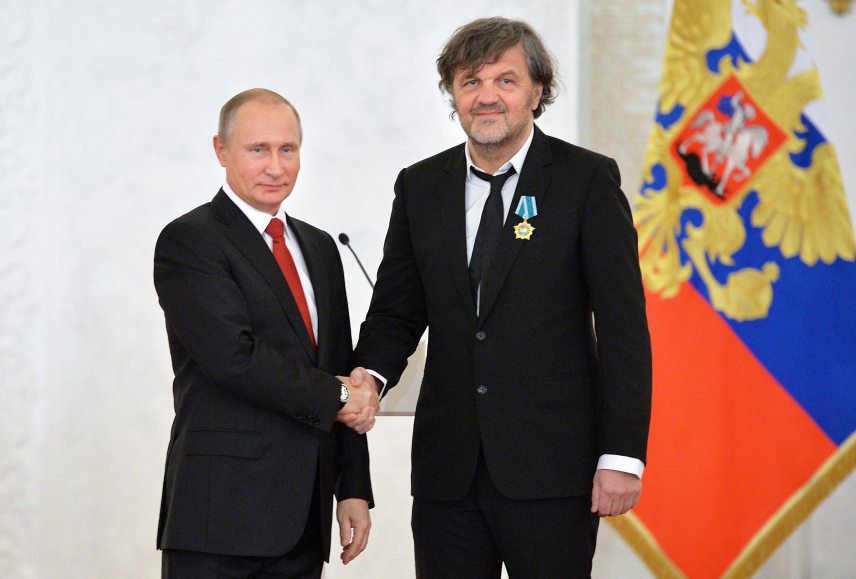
column 283, row 257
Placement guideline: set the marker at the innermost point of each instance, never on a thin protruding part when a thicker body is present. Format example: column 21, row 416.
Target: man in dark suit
column 257, row 320
column 517, row 251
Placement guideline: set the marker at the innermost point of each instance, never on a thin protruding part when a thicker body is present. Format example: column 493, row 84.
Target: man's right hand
column 363, row 402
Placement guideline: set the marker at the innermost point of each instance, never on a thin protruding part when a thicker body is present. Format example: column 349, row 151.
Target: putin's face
column 261, row 153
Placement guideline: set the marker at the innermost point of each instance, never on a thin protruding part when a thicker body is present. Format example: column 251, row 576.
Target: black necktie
column 490, row 227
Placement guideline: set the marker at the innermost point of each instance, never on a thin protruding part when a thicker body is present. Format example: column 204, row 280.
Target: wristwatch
column 344, row 394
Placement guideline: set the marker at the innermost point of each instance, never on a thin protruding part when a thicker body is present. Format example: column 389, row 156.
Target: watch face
column 343, row 397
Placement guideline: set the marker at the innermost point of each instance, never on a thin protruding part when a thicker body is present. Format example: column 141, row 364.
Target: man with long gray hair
column 532, row 421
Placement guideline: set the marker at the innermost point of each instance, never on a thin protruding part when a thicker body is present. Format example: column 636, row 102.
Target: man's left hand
column 614, row 492
column 354, row 525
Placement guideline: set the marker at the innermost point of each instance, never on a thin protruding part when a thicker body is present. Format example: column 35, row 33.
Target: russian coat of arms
column 734, row 153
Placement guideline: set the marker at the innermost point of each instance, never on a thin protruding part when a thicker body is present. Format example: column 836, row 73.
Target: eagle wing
column 804, row 211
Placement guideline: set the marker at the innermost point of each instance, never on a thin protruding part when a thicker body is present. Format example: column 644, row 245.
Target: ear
column 220, row 150
column 536, row 96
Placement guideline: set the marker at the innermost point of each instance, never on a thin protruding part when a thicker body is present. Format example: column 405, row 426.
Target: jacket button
column 482, row 389
column 481, row 336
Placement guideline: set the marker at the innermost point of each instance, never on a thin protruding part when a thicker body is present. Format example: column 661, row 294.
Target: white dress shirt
column 476, row 190
column 260, row 221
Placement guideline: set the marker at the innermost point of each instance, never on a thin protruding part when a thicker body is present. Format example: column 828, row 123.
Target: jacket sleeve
column 210, row 326
column 352, row 453
column 611, row 269
column 352, row 464
column 396, row 318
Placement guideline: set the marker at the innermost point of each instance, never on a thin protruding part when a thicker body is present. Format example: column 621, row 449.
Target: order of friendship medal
column 526, row 208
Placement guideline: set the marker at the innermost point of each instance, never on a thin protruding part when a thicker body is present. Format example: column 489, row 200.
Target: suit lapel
column 315, row 263
column 534, row 180
column 246, row 238
column 453, row 224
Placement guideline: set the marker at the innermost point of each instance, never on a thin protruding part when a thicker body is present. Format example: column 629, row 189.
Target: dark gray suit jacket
column 254, row 404
column 527, row 381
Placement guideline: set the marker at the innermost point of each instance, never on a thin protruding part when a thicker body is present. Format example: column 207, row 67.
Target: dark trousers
column 471, row 538
column 303, row 561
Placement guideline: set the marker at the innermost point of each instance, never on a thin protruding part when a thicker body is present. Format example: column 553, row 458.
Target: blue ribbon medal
column 526, row 208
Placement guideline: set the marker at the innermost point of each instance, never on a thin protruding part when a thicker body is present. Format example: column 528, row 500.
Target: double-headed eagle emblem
column 734, row 148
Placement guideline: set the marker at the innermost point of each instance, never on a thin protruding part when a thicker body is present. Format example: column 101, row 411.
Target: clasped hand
column 363, row 401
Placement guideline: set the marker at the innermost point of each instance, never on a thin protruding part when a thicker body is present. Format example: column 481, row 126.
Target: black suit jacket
column 254, row 404
column 527, row 381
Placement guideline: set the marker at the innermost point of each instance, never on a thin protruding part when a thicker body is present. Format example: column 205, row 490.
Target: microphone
column 346, row 241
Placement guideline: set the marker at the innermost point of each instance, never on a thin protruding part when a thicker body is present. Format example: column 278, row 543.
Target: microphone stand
column 346, row 241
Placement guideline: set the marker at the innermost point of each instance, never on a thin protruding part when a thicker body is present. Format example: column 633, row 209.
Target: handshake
column 363, row 401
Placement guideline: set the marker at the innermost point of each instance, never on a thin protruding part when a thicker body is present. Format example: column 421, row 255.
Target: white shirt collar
column 516, row 160
column 259, row 219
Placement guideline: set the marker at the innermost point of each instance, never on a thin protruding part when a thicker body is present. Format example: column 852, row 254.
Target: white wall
column 106, row 114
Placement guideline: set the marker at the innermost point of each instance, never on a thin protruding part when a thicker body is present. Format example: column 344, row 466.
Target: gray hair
column 227, row 113
column 482, row 42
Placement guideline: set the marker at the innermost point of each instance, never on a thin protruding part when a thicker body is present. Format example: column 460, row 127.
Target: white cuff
column 621, row 463
column 382, row 381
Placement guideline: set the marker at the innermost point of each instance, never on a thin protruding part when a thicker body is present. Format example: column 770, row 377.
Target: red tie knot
column 275, row 228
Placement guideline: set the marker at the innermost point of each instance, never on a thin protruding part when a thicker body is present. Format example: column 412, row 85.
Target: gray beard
column 495, row 142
